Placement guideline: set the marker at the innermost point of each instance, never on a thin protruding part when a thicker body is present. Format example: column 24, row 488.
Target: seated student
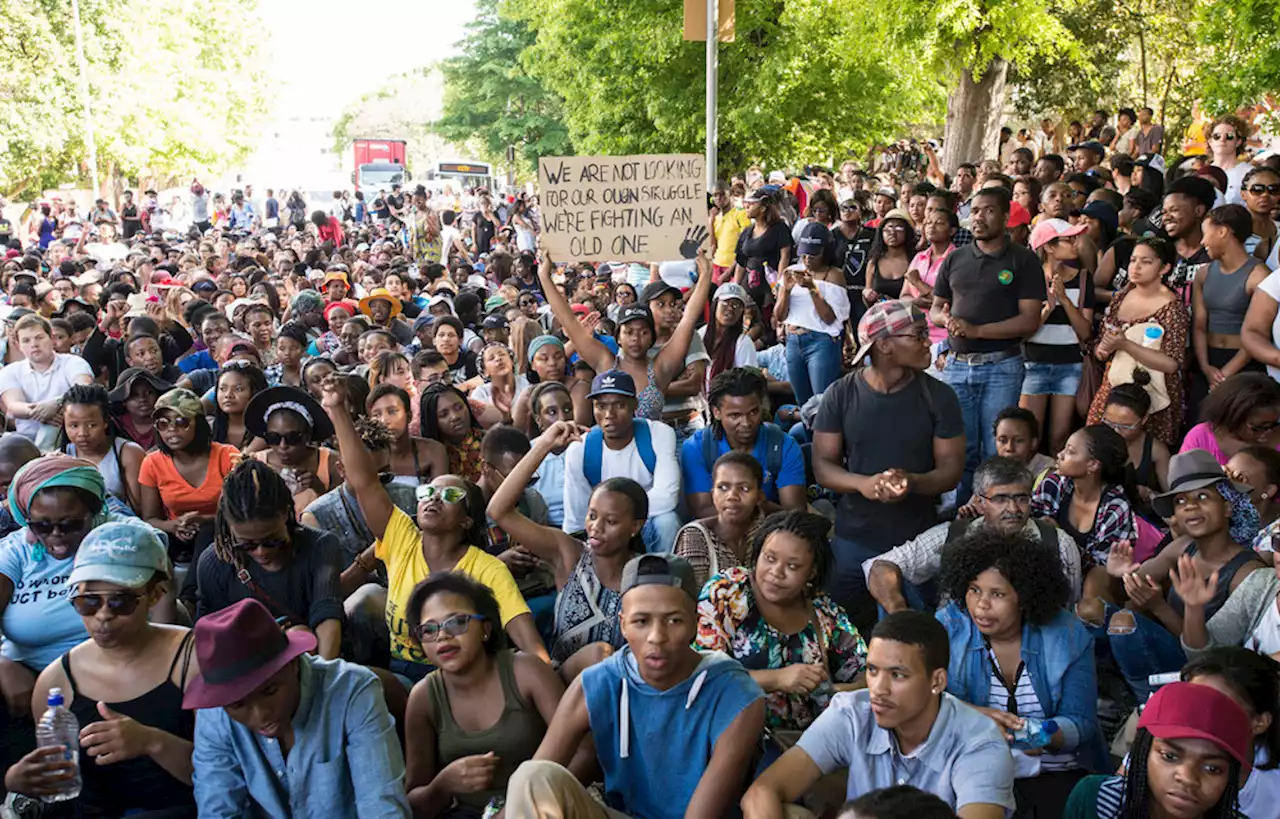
column 294, row 427
column 633, row 704
column 1087, row 495
column 1017, row 654
column 722, row 542
column 549, row 401
column 1189, row 758
column 896, row 802
column 772, row 617
column 133, row 401
column 1002, row 491
column 414, row 460
column 448, row 417
column 143, row 351
column 1018, row 436
column 1209, row 565
column 903, row 729
column 738, row 400
column 281, row 733
column 126, row 686
column 587, row 574
column 1252, row 681
column 1241, row 411
column 89, row 433
column 1258, row 468
column 16, row 451
column 32, row 387
column 1250, row 616
column 447, row 531
column 1127, row 409
column 293, row 570
column 623, row 446
column 482, row 712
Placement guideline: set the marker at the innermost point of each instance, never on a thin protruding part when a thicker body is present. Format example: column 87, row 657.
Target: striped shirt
column 1027, row 705
column 1056, row 342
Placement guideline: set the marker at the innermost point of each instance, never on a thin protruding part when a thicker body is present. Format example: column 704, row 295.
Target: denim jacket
column 345, row 762
column 1059, row 660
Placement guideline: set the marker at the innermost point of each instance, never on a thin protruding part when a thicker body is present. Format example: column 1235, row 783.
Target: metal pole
column 83, row 67
column 713, row 81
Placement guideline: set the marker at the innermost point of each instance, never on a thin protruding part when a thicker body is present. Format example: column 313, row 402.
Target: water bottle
column 58, row 726
column 1034, row 734
column 1151, row 337
column 494, row 807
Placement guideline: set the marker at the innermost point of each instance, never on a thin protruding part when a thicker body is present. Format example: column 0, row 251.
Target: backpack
column 774, row 438
column 593, row 450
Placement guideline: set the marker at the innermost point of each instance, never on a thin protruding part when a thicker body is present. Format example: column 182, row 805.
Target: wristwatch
column 19, row 806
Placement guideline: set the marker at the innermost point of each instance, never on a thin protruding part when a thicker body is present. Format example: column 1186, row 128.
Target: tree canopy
column 176, row 88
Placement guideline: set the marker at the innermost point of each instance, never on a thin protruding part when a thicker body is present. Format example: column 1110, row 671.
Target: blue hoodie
column 654, row 745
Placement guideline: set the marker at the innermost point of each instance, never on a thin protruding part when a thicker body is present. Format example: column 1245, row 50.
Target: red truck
column 379, row 164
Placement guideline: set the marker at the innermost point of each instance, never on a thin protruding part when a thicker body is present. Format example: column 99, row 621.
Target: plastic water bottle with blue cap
column 1034, row 734
column 1152, row 336
column 58, row 726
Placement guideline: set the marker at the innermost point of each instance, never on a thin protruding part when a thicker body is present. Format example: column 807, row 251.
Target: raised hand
column 1142, row 591
column 1120, row 560
column 333, row 392
column 1190, row 582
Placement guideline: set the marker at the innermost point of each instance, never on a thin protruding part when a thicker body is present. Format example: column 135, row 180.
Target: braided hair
column 430, row 400
column 735, row 383
column 1137, row 792
column 251, row 491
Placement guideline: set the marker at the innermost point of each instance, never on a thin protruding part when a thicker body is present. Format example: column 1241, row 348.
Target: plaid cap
column 884, row 319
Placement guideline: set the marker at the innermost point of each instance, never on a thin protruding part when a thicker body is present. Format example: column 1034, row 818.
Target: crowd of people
column 914, row 494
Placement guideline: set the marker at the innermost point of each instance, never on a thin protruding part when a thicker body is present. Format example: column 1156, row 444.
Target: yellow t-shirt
column 728, row 227
column 401, row 550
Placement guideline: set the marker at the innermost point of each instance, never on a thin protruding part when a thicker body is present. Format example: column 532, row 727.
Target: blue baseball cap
column 613, row 382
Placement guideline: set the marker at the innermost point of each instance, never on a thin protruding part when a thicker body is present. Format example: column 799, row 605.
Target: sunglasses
column 1119, row 427
column 447, row 494
column 1273, row 188
column 455, row 626
column 247, row 546
column 295, row 438
column 121, row 603
column 44, row 528
column 166, row 424
column 1224, row 137
column 1259, row 429
column 922, row 334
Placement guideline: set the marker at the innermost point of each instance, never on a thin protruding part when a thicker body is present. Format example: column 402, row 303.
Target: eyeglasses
column 921, row 334
column 1119, row 427
column 44, row 528
column 1016, row 499
column 295, row 438
column 166, row 424
column 1260, row 429
column 1273, row 188
column 121, row 603
column 447, row 494
column 1224, row 137
column 455, row 626
column 247, row 546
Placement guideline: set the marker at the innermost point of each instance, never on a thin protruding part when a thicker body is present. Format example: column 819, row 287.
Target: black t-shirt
column 886, row 431
column 380, row 208
column 464, row 368
column 486, row 228
column 851, row 254
column 307, row 590
column 1183, row 273
column 130, row 221
column 986, row 289
column 396, row 201
column 754, row 253
column 6, row 232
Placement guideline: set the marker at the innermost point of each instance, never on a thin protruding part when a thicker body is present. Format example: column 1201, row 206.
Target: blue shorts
column 1051, row 379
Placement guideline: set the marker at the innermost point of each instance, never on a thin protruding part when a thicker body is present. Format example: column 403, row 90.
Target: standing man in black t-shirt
column 1185, row 204
column 889, row 440
column 852, row 246
column 395, row 205
column 130, row 217
column 988, row 296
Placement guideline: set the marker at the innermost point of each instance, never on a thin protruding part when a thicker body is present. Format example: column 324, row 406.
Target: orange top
column 302, row 499
column 180, row 497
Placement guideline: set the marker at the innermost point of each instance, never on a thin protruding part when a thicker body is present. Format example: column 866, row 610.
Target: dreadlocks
column 1137, row 792
column 252, row 491
column 734, row 383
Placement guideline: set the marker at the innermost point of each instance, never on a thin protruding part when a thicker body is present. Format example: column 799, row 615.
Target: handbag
column 1090, row 380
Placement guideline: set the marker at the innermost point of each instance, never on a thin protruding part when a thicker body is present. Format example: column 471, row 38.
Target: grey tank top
column 1223, row 590
column 1226, row 299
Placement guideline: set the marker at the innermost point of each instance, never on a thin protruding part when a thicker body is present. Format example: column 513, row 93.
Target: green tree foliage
column 402, row 108
column 800, row 83
column 491, row 101
column 176, row 88
column 1242, row 46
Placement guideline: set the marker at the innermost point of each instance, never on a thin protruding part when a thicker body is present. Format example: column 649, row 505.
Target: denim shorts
column 1043, row 378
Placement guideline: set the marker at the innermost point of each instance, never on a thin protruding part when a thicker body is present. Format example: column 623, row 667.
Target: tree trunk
column 974, row 114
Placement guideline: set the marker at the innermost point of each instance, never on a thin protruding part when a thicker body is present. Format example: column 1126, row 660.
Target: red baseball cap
column 1185, row 711
column 1018, row 215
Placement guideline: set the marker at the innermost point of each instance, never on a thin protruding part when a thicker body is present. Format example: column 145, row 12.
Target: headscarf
column 53, row 471
column 307, row 301
column 542, row 341
column 1244, row 524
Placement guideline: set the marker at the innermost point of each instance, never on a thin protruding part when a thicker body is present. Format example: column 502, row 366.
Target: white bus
column 461, row 175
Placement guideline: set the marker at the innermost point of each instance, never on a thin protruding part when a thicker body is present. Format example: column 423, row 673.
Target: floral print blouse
column 729, row 621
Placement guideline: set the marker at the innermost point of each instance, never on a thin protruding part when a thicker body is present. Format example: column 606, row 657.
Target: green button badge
column 1005, row 276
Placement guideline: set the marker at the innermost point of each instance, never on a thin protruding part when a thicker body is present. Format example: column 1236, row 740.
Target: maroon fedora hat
column 239, row 649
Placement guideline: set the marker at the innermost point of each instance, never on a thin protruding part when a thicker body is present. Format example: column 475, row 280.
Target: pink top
column 1201, row 437
column 927, row 267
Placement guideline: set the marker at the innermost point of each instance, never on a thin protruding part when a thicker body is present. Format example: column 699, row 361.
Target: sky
column 325, row 54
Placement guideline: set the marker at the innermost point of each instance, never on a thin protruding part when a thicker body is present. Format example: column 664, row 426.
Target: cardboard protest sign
column 628, row 208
